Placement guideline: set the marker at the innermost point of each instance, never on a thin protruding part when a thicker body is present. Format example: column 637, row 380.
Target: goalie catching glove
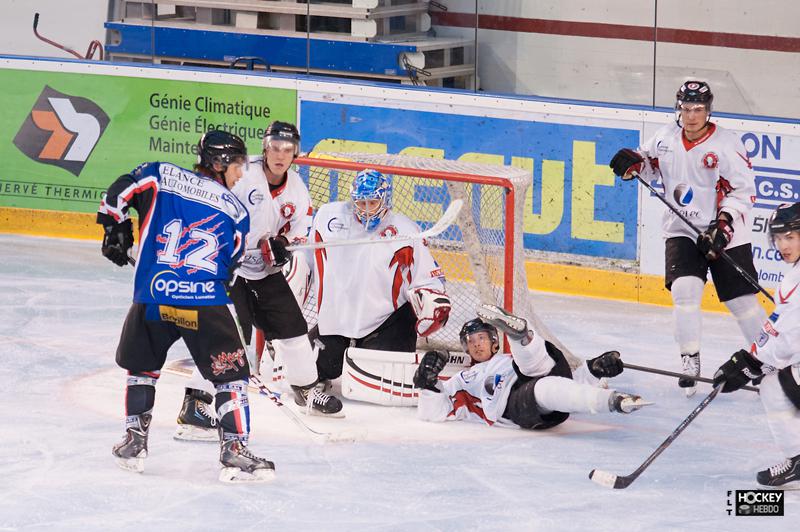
column 274, row 252
column 427, row 374
column 432, row 308
column 117, row 240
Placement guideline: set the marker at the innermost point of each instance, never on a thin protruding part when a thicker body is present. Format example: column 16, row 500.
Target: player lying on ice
column 533, row 388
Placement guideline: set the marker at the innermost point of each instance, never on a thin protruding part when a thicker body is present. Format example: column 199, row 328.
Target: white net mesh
column 481, row 254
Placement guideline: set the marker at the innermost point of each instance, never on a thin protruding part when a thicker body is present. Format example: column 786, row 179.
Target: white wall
column 71, row 23
column 615, row 70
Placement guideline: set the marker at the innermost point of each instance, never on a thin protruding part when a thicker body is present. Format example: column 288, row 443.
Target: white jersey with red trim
column 358, row 287
column 702, row 178
column 284, row 211
column 778, row 344
column 480, row 393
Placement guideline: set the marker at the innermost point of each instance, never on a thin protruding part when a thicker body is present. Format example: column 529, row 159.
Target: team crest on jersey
column 710, row 160
column 683, row 194
column 389, row 231
column 288, row 209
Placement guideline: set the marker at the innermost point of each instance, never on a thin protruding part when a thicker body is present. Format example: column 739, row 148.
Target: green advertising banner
column 65, row 137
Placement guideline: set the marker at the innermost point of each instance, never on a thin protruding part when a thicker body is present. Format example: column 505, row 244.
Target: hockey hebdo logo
column 61, row 130
column 755, row 503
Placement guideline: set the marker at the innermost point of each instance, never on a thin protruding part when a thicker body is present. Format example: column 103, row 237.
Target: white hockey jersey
column 480, row 393
column 778, row 344
column 284, row 211
column 358, row 287
column 702, row 178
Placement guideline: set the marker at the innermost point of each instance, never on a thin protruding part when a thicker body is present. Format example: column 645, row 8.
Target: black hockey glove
column 738, row 371
column 713, row 240
column 427, row 374
column 627, row 163
column 609, row 364
column 274, row 252
column 117, row 240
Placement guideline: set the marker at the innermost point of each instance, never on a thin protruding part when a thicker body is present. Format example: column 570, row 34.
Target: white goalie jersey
column 285, row 211
column 702, row 178
column 358, row 287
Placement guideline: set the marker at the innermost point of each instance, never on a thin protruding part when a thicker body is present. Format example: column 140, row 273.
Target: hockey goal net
column 481, row 254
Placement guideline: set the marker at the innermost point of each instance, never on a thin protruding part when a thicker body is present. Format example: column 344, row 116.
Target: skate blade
column 192, row 433
column 234, row 475
column 316, row 413
column 629, row 406
column 690, row 391
column 134, row 465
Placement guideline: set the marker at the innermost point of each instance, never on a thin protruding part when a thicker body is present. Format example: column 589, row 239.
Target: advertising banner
column 64, row 137
column 576, row 205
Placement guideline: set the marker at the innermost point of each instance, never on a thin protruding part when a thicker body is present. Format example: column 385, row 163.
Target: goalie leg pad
column 387, row 377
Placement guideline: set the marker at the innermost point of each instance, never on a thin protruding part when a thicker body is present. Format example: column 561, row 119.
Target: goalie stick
column 443, row 223
column 344, row 436
column 610, row 480
column 747, row 277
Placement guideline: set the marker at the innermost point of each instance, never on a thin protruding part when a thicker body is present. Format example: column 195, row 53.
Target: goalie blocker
column 386, row 377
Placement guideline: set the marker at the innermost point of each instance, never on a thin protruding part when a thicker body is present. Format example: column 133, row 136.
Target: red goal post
column 481, row 254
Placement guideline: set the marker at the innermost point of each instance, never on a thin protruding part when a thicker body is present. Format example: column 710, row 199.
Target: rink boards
column 73, row 127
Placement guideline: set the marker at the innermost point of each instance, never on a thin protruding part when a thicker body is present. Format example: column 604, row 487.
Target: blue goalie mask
column 371, row 193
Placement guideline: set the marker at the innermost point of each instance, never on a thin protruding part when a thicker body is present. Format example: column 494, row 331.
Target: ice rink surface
column 61, row 310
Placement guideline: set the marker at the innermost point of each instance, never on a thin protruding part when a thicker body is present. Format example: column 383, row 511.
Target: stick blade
column 609, row 480
column 448, row 217
column 343, row 436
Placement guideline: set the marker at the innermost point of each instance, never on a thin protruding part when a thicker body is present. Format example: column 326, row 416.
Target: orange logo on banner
column 61, row 130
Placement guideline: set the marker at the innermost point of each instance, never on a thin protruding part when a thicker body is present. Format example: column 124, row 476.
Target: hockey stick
column 443, row 223
column 678, row 375
column 747, row 277
column 610, row 480
column 317, row 436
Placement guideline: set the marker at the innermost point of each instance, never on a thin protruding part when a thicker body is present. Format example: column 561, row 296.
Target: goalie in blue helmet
column 371, row 193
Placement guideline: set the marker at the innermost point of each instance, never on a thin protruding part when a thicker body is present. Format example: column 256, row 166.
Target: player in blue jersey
column 191, row 235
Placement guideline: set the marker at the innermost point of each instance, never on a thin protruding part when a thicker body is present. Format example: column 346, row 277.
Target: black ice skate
column 132, row 450
column 514, row 327
column 197, row 420
column 315, row 402
column 240, row 465
column 625, row 403
column 785, row 475
column 691, row 367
